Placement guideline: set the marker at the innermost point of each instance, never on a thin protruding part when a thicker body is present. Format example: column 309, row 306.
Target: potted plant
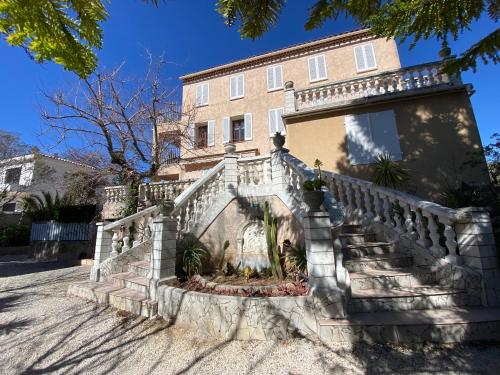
column 313, row 193
column 278, row 140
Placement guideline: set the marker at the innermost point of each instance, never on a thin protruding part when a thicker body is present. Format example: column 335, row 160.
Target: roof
column 26, row 157
column 279, row 53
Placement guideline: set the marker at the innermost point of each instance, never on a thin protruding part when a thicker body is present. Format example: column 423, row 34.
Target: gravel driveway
column 43, row 331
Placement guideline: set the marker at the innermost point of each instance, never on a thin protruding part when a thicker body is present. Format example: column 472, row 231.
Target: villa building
column 343, row 99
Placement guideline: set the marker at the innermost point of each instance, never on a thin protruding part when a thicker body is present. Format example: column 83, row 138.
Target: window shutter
column 248, row 126
column 369, row 56
column 321, row 66
column 385, row 134
column 241, row 84
column 270, row 78
column 360, row 60
column 312, row 69
column 211, row 133
column 205, row 93
column 279, row 121
column 278, row 74
column 272, row 122
column 190, row 136
column 225, row 130
column 198, row 94
column 359, row 142
column 233, row 88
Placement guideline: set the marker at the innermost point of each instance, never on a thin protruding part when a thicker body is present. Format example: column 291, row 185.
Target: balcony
column 392, row 83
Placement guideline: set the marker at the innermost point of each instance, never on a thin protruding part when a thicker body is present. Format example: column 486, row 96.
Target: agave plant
column 389, row 173
column 46, row 207
column 273, row 249
column 297, row 258
column 192, row 255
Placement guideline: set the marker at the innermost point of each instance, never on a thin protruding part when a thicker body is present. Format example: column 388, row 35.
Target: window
column 365, row 58
column 236, row 87
column 317, row 68
column 201, row 136
column 274, row 78
column 370, row 135
column 9, row 207
column 202, row 94
column 238, row 131
column 13, row 175
column 276, row 122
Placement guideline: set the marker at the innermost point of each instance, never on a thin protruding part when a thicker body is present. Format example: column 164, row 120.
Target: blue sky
column 193, row 36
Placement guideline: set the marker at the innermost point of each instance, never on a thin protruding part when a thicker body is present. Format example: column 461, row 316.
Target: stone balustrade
column 162, row 191
column 254, row 170
column 396, row 81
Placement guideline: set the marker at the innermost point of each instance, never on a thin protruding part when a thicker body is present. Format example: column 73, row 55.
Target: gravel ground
column 44, row 331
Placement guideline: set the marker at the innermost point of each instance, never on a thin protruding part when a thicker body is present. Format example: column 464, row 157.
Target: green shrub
column 389, row 173
column 297, row 258
column 193, row 255
column 15, row 235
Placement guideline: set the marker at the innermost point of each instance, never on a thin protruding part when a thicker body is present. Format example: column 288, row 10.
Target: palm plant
column 45, row 207
column 192, row 255
column 389, row 173
column 297, row 258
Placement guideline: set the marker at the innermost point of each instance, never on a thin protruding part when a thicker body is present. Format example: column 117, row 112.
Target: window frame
column 236, row 76
column 375, row 67
column 7, row 204
column 196, row 94
column 315, row 57
column 241, row 130
column 197, row 143
column 274, row 67
column 7, row 182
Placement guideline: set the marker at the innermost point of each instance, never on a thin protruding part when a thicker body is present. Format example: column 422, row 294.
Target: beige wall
column 340, row 65
column 438, row 134
column 228, row 224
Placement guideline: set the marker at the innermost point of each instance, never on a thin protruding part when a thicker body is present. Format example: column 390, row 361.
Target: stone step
column 367, row 248
column 385, row 261
column 97, row 292
column 140, row 268
column 357, row 238
column 403, row 299
column 352, row 228
column 398, row 277
column 133, row 301
column 419, row 326
column 131, row 280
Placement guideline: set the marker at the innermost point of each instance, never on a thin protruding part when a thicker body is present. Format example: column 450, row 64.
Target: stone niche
column 237, row 234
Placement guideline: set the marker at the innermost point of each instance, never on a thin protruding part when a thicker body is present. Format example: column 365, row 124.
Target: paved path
column 43, row 331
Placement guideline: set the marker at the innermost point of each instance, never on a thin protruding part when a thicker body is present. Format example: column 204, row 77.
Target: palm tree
column 45, row 207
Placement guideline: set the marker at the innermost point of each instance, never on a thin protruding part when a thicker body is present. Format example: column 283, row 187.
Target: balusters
column 357, row 199
column 115, row 243
column 434, row 235
column 422, row 229
column 368, row 204
column 409, row 226
column 451, row 242
column 126, row 238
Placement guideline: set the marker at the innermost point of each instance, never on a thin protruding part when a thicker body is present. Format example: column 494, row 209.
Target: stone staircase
column 392, row 300
column 126, row 291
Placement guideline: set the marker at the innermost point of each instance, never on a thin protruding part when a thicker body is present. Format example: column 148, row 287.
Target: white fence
column 55, row 231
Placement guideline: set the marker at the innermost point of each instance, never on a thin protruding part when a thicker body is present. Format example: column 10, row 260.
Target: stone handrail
column 254, row 170
column 400, row 80
column 115, row 194
column 164, row 190
column 429, row 224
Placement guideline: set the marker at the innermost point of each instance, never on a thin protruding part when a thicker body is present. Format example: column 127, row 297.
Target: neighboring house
column 343, row 99
column 33, row 174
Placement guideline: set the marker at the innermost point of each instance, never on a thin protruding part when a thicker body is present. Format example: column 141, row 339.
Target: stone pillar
column 162, row 265
column 278, row 173
column 476, row 246
column 231, row 169
column 320, row 254
column 102, row 249
column 289, row 97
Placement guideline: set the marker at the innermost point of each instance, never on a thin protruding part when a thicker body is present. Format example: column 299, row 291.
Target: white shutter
column 248, row 126
column 321, row 66
column 313, row 75
column 225, row 130
column 233, row 87
column 385, row 133
column 369, row 56
column 198, row 94
column 279, row 121
column 272, row 122
column 278, row 76
column 190, row 136
column 274, row 77
column 270, row 78
column 205, row 93
column 360, row 60
column 211, row 133
column 241, row 85
column 359, row 140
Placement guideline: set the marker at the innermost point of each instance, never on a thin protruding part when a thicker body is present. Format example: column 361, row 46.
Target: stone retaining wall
column 245, row 318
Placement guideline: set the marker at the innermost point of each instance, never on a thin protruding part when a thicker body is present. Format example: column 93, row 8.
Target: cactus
column 273, row 250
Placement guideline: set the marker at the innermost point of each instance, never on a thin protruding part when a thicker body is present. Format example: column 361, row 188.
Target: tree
column 124, row 119
column 63, row 31
column 492, row 153
column 403, row 19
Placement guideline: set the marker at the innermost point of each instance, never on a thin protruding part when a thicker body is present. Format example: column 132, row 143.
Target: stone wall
column 244, row 318
column 65, row 251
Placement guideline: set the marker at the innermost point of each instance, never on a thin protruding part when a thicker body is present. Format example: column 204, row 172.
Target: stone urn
column 278, row 141
column 229, row 148
column 166, row 207
column 314, row 199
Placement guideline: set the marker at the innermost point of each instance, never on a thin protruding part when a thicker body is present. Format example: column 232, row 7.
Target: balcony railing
column 388, row 83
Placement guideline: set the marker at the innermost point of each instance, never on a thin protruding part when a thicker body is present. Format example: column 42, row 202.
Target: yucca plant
column 46, row 207
column 389, row 173
column 273, row 249
column 192, row 255
column 297, row 258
